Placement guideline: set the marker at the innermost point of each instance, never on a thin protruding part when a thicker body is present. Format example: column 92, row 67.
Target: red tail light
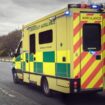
column 75, row 84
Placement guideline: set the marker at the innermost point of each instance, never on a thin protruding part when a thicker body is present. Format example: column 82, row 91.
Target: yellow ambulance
column 64, row 51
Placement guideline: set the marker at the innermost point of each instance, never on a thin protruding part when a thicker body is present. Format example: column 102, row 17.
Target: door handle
column 64, row 59
column 34, row 58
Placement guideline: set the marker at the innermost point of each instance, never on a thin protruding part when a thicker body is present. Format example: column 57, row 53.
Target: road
column 22, row 94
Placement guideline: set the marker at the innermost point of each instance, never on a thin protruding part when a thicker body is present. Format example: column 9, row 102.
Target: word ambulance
column 64, row 51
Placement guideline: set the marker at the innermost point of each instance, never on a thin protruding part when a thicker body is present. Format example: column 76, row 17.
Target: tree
column 9, row 43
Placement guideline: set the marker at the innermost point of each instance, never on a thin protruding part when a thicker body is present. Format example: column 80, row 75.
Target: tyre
column 15, row 77
column 45, row 87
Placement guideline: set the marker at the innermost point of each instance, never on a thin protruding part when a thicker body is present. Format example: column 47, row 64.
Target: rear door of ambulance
column 91, row 51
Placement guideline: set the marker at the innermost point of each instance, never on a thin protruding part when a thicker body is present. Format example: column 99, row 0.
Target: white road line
column 7, row 93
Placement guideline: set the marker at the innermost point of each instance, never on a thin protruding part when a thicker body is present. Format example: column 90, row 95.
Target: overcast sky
column 15, row 13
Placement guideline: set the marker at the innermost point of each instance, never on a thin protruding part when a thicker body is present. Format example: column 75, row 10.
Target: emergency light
column 95, row 6
column 92, row 52
column 67, row 13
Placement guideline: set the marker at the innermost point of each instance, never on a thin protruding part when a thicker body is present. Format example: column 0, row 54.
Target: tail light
column 75, row 84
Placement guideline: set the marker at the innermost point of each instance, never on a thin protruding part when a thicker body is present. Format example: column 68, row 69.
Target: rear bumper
column 91, row 90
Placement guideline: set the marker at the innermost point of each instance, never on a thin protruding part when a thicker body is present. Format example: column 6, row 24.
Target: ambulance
column 64, row 51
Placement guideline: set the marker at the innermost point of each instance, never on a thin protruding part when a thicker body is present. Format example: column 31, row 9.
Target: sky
column 15, row 13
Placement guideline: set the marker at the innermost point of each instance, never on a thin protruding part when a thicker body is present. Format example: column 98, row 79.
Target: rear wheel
column 45, row 87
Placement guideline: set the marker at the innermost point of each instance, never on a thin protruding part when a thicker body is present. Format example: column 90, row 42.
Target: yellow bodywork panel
column 61, row 39
column 65, row 83
column 35, row 79
column 27, row 67
column 103, row 41
column 31, row 64
column 26, row 77
column 39, row 56
column 61, row 87
column 49, row 69
column 18, row 65
column 20, row 75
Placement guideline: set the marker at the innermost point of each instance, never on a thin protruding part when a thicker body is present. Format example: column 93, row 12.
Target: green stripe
column 38, row 67
column 18, row 58
column 49, row 56
column 62, row 70
column 68, row 70
column 35, row 67
column 31, row 57
column 27, row 56
column 23, row 66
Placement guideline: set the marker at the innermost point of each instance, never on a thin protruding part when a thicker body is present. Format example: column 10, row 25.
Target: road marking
column 7, row 93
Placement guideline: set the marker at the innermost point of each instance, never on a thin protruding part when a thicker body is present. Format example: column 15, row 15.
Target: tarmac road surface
column 23, row 94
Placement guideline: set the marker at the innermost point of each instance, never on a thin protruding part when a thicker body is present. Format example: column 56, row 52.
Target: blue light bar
column 67, row 13
column 95, row 6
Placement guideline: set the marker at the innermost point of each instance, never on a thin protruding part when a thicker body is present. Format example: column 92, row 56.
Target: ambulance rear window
column 91, row 37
